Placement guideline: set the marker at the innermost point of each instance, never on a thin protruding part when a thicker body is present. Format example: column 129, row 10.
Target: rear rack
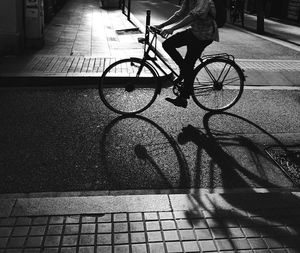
column 222, row 55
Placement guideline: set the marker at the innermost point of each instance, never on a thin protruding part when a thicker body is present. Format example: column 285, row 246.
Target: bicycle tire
column 124, row 91
column 218, row 84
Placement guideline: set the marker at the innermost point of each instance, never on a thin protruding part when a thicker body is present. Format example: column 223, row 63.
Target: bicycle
column 237, row 11
column 218, row 80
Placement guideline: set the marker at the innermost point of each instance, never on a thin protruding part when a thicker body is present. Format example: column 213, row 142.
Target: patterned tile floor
column 154, row 232
column 69, row 64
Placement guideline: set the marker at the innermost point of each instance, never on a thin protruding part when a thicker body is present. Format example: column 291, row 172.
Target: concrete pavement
column 83, row 43
column 195, row 220
column 201, row 221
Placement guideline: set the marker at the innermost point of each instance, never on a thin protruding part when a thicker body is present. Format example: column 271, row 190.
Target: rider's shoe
column 179, row 101
column 179, row 79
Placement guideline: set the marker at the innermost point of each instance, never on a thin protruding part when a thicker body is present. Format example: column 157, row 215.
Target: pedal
column 141, row 40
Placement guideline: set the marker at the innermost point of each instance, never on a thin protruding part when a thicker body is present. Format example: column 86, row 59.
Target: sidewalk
column 83, row 39
column 197, row 222
column 275, row 29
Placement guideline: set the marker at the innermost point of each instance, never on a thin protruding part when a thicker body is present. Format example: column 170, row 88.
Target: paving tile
column 121, row 238
column 3, row 242
column 56, row 250
column 199, row 223
column 87, row 240
column 225, row 244
column 37, row 242
column 104, row 239
column 104, row 227
column 104, row 249
column 139, row 248
column 30, row 250
column 105, row 218
column 168, row 225
column 136, row 226
column 7, row 222
column 154, row 236
column 191, row 246
column 273, row 242
column 241, row 244
column 184, row 224
column 174, row 247
column 118, row 217
column 207, row 245
column 37, row 230
column 151, row 216
column 152, row 225
column 70, row 240
column 16, row 242
column 5, row 231
column 121, row 249
column 20, row 231
column 88, row 228
column 165, row 215
column 71, row 229
column 86, row 250
column 57, row 220
column 156, row 247
column 171, row 235
column 203, row 234
column 180, row 215
column 67, row 250
column 120, row 227
column 257, row 243
column 52, row 241
column 187, row 235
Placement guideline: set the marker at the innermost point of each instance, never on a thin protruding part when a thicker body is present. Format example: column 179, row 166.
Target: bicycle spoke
column 218, row 84
column 134, row 89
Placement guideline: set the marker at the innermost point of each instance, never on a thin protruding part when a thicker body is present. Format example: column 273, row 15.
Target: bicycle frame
column 151, row 46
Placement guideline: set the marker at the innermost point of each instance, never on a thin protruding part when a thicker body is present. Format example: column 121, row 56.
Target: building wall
column 285, row 10
column 11, row 26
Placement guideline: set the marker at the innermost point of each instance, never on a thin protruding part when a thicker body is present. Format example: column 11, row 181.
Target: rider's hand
column 159, row 26
column 166, row 32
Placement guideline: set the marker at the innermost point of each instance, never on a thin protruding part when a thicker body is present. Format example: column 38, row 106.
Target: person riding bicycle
column 200, row 16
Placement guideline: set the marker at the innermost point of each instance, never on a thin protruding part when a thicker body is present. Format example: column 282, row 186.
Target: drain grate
column 288, row 160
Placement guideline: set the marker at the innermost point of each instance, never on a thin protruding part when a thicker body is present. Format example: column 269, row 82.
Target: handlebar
column 156, row 30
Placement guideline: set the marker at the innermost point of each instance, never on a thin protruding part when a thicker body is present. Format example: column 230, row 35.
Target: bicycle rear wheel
column 218, row 84
column 128, row 86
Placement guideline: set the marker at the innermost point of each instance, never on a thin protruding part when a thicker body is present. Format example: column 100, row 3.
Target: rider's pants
column 195, row 48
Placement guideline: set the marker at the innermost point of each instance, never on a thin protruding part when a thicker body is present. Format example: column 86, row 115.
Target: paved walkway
column 83, row 39
column 198, row 222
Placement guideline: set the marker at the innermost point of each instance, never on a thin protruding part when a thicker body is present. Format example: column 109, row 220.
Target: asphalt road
column 66, row 140
column 241, row 44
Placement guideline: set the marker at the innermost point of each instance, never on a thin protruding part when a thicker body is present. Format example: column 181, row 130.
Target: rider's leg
column 195, row 48
column 171, row 44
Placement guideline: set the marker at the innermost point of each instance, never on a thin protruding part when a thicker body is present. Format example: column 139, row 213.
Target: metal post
column 128, row 10
column 148, row 16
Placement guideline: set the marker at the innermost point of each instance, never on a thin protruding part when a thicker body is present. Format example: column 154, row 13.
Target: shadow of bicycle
column 241, row 220
column 139, row 154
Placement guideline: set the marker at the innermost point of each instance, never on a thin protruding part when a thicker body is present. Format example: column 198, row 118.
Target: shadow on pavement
column 137, row 153
column 268, row 220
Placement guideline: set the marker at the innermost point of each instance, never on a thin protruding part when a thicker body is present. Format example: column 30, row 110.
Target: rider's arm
column 184, row 22
column 178, row 15
column 199, row 12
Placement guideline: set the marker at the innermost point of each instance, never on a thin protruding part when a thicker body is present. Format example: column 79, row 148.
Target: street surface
column 66, row 140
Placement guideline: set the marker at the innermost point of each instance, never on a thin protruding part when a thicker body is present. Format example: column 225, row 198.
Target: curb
column 202, row 200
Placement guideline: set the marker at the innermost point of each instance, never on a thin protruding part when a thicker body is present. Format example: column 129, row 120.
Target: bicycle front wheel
column 218, row 84
column 128, row 86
